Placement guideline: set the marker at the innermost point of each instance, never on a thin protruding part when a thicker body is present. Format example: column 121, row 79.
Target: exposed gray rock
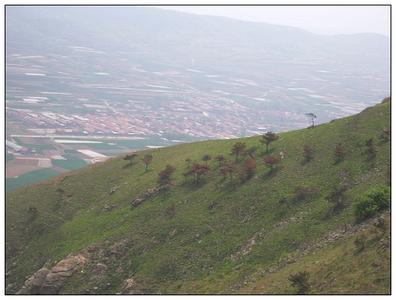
column 46, row 281
column 33, row 283
column 128, row 286
column 146, row 195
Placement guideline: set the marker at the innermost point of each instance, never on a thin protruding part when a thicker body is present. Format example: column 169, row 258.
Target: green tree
column 147, row 159
column 339, row 153
column 308, row 152
column 206, row 158
column 267, row 138
column 370, row 149
column 237, row 150
column 130, row 158
column 337, row 199
column 220, row 159
column 164, row 176
column 300, row 281
column 375, row 200
column 251, row 152
column 386, row 134
column 249, row 169
column 312, row 117
column 227, row 170
column 271, row 161
column 197, row 171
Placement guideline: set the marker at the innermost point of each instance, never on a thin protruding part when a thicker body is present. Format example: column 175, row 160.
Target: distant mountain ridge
column 342, row 69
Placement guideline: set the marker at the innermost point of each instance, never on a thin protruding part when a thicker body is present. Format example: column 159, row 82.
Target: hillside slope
column 80, row 234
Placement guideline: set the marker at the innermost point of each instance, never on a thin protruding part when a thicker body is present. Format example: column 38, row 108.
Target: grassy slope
column 196, row 258
column 338, row 268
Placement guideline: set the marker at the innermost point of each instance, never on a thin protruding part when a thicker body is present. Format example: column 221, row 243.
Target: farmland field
column 29, row 178
column 69, row 164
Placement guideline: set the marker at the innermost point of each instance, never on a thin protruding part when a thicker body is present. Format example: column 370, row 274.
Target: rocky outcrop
column 127, row 286
column 149, row 193
column 46, row 281
column 33, row 283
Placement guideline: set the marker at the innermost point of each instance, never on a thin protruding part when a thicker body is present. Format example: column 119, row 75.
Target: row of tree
column 195, row 171
column 146, row 159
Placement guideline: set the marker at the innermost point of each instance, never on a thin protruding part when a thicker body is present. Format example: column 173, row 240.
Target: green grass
column 191, row 252
column 341, row 268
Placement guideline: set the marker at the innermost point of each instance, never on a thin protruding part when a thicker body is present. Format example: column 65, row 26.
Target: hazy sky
column 317, row 19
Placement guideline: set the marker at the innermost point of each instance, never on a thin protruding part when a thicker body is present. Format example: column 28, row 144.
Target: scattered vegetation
column 376, row 200
column 267, row 139
column 164, row 177
column 312, row 117
column 227, row 171
column 249, row 169
column 206, row 158
column 197, row 171
column 339, row 153
column 147, row 159
column 220, row 159
column 32, row 214
column 192, row 231
column 360, row 243
column 370, row 149
column 386, row 134
column 130, row 158
column 308, row 153
column 337, row 199
column 303, row 193
column 300, row 282
column 237, row 149
column 251, row 152
column 272, row 161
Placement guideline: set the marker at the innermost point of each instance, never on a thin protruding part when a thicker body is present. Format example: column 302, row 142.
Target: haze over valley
column 87, row 83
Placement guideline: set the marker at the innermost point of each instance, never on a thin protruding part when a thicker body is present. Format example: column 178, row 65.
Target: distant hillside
column 108, row 228
column 266, row 69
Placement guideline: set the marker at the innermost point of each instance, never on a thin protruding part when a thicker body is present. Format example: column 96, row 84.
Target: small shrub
column 130, row 158
column 249, row 169
column 32, row 214
column 171, row 210
column 197, row 171
column 339, row 153
column 272, row 161
column 220, row 160
column 166, row 270
column 188, row 162
column 147, row 159
column 227, row 170
column 308, row 153
column 385, row 134
column 237, row 149
column 302, row 193
column 370, row 149
column 206, row 158
column 251, row 152
column 380, row 226
column 372, row 202
column 267, row 139
column 300, row 281
column 360, row 243
column 164, row 177
column 337, row 199
column 283, row 202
